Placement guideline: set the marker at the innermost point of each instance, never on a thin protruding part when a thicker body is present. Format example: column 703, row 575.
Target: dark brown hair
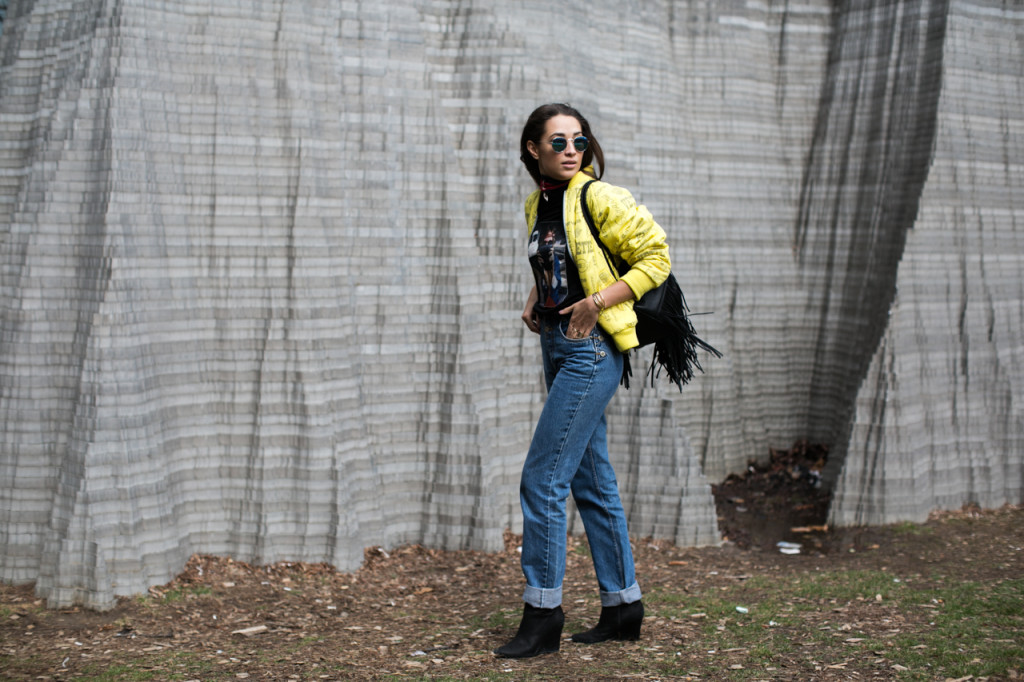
column 533, row 131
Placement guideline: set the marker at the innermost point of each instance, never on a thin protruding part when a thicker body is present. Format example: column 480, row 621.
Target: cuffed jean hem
column 626, row 596
column 545, row 597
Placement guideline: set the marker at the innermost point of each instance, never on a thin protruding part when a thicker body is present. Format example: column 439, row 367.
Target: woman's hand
column 529, row 315
column 583, row 318
column 585, row 313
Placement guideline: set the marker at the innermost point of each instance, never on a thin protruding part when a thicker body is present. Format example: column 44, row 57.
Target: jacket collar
column 581, row 178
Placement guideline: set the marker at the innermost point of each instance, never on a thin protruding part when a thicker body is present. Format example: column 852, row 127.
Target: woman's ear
column 532, row 148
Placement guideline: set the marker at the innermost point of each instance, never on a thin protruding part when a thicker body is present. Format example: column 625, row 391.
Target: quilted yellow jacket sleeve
column 629, row 231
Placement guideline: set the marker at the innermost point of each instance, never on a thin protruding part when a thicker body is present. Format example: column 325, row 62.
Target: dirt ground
column 416, row 613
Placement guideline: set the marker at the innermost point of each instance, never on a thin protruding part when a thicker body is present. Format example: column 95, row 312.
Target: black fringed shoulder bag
column 662, row 318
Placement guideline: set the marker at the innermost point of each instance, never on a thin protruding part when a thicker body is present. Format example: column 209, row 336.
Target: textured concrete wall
column 262, row 266
column 939, row 417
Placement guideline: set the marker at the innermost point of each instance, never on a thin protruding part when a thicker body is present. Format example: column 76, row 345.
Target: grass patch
column 833, row 587
column 977, row 629
column 908, row 528
column 503, row 619
column 582, row 549
column 118, row 673
column 742, row 620
column 309, row 640
column 505, row 677
column 181, row 593
column 971, row 628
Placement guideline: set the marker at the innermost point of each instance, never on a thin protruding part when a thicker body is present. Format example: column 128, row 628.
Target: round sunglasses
column 559, row 144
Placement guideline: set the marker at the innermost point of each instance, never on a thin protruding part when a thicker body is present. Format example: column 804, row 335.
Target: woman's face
column 563, row 165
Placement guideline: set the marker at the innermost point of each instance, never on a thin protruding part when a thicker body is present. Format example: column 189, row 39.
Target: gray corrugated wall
column 262, row 266
column 939, row 418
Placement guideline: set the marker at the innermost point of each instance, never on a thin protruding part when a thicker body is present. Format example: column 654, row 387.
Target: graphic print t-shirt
column 558, row 281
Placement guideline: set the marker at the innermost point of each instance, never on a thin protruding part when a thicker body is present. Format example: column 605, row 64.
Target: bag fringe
column 676, row 344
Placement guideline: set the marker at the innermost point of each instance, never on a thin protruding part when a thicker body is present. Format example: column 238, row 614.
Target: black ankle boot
column 540, row 632
column 617, row 622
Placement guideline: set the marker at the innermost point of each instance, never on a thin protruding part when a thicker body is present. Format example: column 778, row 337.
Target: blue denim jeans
column 569, row 452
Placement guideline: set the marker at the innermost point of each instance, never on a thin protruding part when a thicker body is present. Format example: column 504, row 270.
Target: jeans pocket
column 563, row 329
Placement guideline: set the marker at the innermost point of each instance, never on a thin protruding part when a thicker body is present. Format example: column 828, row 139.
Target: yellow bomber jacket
column 629, row 231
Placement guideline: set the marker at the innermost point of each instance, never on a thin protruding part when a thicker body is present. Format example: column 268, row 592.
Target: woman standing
column 583, row 313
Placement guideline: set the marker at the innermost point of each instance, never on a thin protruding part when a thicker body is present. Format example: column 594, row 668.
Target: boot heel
column 540, row 632
column 620, row 622
column 629, row 632
column 553, row 642
column 632, row 619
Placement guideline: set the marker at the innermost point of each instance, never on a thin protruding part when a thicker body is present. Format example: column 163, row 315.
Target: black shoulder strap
column 593, row 229
column 627, row 368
